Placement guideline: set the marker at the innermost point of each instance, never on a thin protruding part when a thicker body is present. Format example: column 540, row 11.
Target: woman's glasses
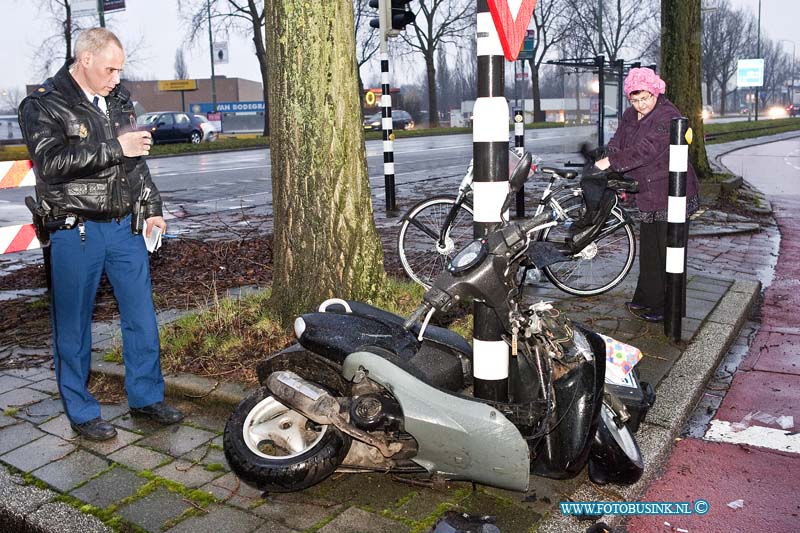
column 642, row 100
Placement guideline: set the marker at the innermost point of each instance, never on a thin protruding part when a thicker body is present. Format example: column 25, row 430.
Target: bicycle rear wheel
column 601, row 265
column 422, row 256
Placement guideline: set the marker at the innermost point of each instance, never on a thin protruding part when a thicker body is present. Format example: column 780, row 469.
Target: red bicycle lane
column 747, row 465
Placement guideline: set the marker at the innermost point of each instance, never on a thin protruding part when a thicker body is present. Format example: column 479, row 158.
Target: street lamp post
column 211, row 53
column 599, row 27
column 758, row 53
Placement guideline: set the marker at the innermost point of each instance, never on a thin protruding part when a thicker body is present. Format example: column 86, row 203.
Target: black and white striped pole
column 490, row 189
column 386, row 127
column 680, row 138
column 519, row 148
column 386, row 28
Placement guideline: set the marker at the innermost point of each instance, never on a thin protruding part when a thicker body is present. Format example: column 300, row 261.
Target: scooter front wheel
column 615, row 456
column 276, row 449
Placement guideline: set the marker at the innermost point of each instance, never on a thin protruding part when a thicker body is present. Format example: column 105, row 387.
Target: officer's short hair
column 94, row 40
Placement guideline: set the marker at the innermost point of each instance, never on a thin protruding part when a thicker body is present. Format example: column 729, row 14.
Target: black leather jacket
column 77, row 159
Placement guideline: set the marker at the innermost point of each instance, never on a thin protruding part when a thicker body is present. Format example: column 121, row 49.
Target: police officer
column 79, row 127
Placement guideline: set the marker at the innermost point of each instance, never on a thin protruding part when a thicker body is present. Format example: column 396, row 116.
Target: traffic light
column 402, row 15
column 376, row 22
column 393, row 16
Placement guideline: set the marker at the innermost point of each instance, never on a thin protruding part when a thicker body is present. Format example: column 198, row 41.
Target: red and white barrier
column 20, row 237
column 16, row 174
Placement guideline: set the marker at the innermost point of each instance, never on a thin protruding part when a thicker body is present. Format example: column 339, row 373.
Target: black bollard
column 680, row 138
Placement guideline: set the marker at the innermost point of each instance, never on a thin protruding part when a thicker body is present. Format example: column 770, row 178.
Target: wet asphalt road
column 210, row 182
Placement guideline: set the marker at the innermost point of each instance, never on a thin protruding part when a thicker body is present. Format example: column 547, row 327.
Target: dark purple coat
column 640, row 150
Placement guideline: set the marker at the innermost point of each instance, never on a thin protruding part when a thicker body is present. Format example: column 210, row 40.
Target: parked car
column 210, row 132
column 401, row 120
column 172, row 126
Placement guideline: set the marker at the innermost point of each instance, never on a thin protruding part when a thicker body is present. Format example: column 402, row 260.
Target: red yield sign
column 511, row 18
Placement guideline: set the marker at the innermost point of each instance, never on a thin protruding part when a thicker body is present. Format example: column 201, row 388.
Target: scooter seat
column 437, row 334
column 335, row 334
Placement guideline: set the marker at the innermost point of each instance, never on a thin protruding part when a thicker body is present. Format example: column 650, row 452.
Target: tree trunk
column 259, row 41
column 538, row 114
column 68, row 32
column 261, row 54
column 680, row 69
column 361, row 99
column 433, row 105
column 326, row 243
column 723, row 97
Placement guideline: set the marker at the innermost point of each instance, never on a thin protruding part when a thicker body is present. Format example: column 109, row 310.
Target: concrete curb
column 746, row 143
column 189, row 386
column 676, row 395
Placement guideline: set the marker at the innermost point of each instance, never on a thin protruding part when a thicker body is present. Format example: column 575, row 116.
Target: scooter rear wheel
column 615, row 456
column 276, row 449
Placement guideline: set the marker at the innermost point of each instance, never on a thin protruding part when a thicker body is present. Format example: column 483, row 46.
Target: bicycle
column 436, row 228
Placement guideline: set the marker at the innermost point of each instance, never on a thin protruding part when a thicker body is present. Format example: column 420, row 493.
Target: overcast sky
column 24, row 25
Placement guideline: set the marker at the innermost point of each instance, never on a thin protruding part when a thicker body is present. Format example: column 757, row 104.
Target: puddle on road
column 6, row 296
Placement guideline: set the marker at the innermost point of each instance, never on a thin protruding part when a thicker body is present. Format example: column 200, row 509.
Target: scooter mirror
column 520, row 174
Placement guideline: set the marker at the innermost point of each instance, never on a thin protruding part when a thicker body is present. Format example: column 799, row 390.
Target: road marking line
column 204, row 171
column 378, row 150
column 759, row 436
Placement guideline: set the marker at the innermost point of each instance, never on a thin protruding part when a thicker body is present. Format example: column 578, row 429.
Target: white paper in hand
column 153, row 242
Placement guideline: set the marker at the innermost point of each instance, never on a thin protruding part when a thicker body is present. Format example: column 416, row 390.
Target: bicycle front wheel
column 422, row 254
column 601, row 265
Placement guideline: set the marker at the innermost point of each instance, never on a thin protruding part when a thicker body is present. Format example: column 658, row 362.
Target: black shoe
column 653, row 316
column 97, row 429
column 633, row 306
column 160, row 412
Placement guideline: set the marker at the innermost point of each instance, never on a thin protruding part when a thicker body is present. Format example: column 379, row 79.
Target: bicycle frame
column 464, row 190
column 546, row 199
column 561, row 214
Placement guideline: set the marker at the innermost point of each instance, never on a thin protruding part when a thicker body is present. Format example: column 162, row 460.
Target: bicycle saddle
column 566, row 174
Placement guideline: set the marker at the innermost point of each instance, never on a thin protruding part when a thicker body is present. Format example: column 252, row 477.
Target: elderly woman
column 640, row 150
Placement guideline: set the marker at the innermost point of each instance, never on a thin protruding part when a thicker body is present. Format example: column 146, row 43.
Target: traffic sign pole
column 499, row 33
column 384, row 8
column 490, row 154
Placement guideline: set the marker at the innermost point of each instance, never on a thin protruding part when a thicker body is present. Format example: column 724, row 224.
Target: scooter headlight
column 467, row 258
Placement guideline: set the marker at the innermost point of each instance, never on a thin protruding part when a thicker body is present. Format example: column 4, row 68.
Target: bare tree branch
column 226, row 17
column 438, row 22
column 181, row 69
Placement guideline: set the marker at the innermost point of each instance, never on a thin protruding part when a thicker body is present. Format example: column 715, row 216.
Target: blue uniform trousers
column 76, row 270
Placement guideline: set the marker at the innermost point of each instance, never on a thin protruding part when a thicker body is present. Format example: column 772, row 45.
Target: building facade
column 150, row 98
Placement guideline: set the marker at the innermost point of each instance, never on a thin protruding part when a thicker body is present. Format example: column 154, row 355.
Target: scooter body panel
column 564, row 451
column 458, row 438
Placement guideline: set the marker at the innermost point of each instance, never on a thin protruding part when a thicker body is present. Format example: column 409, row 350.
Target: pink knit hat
column 644, row 79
